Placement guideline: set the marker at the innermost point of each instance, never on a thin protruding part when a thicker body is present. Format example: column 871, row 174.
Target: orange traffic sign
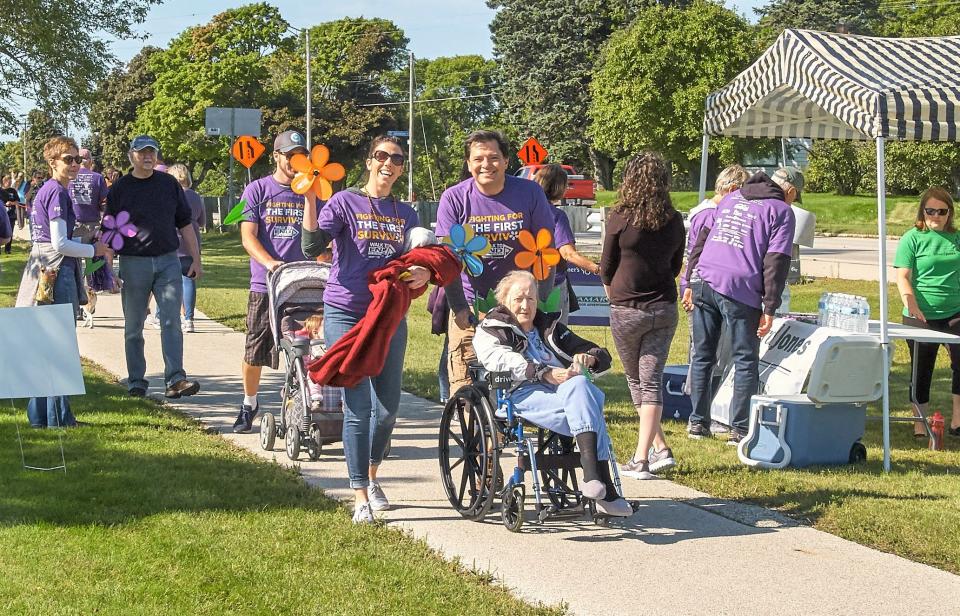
column 531, row 152
column 247, row 150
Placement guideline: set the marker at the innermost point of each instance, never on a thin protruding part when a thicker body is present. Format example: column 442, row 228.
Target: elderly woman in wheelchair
column 541, row 372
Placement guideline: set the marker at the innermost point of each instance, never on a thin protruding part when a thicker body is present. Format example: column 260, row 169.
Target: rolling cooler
column 676, row 404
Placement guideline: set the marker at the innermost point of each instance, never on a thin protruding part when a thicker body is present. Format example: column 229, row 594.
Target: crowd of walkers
column 737, row 253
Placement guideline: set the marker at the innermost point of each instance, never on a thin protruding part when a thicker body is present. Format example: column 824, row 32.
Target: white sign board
column 39, row 355
column 232, row 121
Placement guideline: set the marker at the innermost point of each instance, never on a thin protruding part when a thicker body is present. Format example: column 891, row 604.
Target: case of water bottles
column 843, row 311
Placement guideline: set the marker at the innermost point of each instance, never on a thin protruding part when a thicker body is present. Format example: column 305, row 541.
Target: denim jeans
column 54, row 411
column 161, row 276
column 712, row 310
column 370, row 408
column 189, row 297
column 444, row 372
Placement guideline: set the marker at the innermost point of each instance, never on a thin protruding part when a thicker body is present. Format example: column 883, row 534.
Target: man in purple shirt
column 89, row 195
column 270, row 233
column 496, row 206
column 743, row 262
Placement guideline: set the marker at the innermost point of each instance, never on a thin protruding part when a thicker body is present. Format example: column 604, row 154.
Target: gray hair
column 182, row 174
column 512, row 278
column 730, row 179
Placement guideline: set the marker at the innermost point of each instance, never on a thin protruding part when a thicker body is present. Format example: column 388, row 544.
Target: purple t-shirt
column 52, row 201
column 367, row 233
column 743, row 232
column 701, row 217
column 278, row 213
column 89, row 192
column 520, row 205
column 197, row 215
column 562, row 236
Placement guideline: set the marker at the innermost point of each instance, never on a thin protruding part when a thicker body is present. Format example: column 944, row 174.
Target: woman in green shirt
column 928, row 277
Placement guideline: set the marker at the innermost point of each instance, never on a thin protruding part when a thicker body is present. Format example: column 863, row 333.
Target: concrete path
column 682, row 553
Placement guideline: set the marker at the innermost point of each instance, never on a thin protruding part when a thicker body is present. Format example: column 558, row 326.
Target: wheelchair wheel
column 511, row 510
column 469, row 465
column 293, row 442
column 268, row 431
column 314, row 444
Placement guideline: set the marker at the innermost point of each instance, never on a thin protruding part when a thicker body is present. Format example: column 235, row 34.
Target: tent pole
column 703, row 166
column 884, row 337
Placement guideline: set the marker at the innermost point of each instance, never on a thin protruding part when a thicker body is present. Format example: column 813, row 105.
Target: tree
column 41, row 126
column 546, row 51
column 55, row 53
column 116, row 101
column 839, row 167
column 920, row 18
column 652, row 79
column 853, row 16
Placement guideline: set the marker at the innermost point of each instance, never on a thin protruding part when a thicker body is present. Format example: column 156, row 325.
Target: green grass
column 911, row 511
column 156, row 516
column 856, row 215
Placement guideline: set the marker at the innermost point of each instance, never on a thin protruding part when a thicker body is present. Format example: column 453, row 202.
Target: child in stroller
column 322, row 397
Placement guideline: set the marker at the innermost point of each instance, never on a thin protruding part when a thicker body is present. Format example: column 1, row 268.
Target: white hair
column 512, row 278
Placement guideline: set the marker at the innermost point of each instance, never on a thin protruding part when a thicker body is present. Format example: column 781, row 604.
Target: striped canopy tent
column 820, row 85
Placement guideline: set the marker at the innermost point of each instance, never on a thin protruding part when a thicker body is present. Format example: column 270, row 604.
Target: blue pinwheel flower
column 469, row 247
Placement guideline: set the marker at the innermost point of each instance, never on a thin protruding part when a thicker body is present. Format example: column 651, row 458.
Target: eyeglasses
column 936, row 211
column 381, row 157
column 72, row 159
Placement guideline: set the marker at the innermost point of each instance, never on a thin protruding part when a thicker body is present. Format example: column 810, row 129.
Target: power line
column 426, row 100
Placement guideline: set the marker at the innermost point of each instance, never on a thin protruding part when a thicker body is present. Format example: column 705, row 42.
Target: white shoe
column 619, row 508
column 153, row 321
column 187, row 326
column 378, row 500
column 362, row 514
column 594, row 490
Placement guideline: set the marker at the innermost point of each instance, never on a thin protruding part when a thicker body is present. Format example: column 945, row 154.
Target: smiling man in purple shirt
column 743, row 262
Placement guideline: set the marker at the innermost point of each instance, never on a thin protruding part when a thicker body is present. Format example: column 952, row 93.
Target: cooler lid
column 847, row 368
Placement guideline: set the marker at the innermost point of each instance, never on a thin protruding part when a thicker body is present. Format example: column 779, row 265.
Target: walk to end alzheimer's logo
column 500, row 230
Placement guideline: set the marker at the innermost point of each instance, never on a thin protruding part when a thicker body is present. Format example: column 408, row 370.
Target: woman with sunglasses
column 928, row 278
column 54, row 258
column 366, row 226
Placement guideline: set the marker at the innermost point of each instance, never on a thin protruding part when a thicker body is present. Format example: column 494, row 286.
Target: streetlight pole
column 410, row 138
column 309, row 92
column 25, row 172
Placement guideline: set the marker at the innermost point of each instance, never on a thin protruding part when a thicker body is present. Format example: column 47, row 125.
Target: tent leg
column 704, row 155
column 884, row 337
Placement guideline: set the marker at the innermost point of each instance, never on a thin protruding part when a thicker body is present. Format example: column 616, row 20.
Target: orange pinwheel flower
column 316, row 172
column 538, row 253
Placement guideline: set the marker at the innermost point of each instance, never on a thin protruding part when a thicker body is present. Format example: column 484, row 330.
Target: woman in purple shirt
column 197, row 219
column 367, row 227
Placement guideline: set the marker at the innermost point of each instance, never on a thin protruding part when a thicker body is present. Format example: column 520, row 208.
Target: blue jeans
column 444, row 372
column 189, row 297
column 570, row 408
column 55, row 411
column 366, row 431
column 161, row 276
column 712, row 310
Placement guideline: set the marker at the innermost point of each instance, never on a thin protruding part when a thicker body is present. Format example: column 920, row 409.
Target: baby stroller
column 295, row 292
column 478, row 424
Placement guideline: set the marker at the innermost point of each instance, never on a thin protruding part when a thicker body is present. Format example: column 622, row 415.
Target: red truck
column 580, row 190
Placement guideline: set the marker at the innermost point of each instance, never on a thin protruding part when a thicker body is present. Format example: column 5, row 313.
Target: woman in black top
column 642, row 255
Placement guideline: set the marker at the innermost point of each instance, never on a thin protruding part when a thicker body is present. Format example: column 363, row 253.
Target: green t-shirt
column 934, row 260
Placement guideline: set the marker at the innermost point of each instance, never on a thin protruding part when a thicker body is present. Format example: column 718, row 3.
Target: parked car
column 580, row 190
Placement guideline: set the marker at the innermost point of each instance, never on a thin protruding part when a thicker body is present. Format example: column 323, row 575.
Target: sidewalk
column 745, row 559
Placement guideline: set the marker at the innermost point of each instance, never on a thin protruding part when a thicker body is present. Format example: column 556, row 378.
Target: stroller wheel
column 293, row 442
column 314, row 444
column 268, row 431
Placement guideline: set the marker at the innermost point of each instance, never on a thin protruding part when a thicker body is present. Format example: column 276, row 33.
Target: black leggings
column 926, row 356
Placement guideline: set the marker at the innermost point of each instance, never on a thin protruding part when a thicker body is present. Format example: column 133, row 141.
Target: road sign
column 247, row 150
column 398, row 133
column 231, row 121
column 531, row 152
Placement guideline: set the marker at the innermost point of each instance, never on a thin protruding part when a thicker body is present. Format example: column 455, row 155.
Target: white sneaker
column 619, row 508
column 362, row 514
column 378, row 500
column 187, row 326
column 153, row 321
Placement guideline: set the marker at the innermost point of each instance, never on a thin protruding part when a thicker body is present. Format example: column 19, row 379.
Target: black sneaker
column 244, row 422
column 735, row 437
column 137, row 392
column 954, row 432
column 182, row 389
column 697, row 431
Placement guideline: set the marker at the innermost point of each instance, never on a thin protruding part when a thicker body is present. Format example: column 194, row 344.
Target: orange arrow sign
column 247, row 150
column 531, row 152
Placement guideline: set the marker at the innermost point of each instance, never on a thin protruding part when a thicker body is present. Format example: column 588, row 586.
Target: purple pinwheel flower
column 116, row 229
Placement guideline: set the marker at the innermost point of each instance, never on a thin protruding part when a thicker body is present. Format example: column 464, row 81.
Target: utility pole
column 25, row 172
column 309, row 93
column 410, row 138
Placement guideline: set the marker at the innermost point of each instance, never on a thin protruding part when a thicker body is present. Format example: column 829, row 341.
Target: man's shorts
column 259, row 349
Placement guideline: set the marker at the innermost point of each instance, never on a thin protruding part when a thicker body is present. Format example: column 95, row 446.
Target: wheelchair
column 478, row 424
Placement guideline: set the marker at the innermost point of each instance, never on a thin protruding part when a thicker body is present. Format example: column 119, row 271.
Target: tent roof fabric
column 821, row 85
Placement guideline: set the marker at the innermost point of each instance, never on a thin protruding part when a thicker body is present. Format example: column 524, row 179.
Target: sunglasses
column 381, row 157
column 936, row 211
column 72, row 159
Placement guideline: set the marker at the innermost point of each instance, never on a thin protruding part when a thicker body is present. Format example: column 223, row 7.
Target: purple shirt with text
column 52, row 201
column 89, row 193
column 278, row 213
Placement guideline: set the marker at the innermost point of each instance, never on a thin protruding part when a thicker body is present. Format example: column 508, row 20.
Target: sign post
column 531, row 152
column 231, row 122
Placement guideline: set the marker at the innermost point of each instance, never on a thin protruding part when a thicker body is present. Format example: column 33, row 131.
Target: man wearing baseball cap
column 146, row 209
column 270, row 232
column 89, row 195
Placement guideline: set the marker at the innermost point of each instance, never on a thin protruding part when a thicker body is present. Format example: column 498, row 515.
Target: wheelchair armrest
column 500, row 380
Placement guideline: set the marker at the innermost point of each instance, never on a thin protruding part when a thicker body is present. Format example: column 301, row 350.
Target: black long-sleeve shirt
column 157, row 208
column 641, row 267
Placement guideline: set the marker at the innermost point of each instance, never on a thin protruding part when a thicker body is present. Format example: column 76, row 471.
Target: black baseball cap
column 289, row 140
column 142, row 142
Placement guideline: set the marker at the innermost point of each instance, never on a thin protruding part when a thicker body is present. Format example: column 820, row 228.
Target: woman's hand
column 584, row 359
column 102, row 250
column 914, row 310
column 687, row 299
column 555, row 376
column 419, row 276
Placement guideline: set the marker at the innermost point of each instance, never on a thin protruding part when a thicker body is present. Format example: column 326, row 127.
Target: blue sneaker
column 244, row 422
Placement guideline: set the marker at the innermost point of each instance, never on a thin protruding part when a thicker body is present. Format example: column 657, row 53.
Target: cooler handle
column 670, row 390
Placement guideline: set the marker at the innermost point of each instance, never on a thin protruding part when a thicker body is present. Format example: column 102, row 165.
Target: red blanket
column 363, row 350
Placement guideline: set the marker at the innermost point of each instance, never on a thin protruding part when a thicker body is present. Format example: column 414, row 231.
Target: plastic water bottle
column 864, row 315
column 784, row 301
column 822, row 310
column 936, row 427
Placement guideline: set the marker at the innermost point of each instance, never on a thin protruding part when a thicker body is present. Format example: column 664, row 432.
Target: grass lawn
column 912, row 511
column 853, row 215
column 155, row 516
